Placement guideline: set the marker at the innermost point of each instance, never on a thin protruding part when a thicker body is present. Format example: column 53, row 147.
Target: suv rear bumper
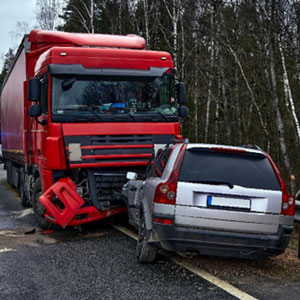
column 221, row 243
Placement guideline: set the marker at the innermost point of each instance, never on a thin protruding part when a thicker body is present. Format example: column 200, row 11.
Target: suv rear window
column 247, row 169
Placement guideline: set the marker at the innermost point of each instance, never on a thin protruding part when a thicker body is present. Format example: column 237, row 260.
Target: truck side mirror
column 35, row 111
column 34, row 89
column 183, row 111
column 181, row 97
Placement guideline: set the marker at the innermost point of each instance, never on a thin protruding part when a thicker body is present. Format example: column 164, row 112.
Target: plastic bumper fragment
column 65, row 191
column 92, row 214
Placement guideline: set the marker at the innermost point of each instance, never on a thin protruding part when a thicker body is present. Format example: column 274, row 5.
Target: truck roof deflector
column 77, row 69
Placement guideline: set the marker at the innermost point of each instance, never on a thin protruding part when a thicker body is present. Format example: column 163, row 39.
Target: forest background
column 239, row 59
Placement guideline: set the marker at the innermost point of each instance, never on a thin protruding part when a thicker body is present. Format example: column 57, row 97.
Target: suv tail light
column 165, row 192
column 288, row 205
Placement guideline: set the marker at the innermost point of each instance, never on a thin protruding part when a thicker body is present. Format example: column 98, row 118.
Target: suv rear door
column 228, row 189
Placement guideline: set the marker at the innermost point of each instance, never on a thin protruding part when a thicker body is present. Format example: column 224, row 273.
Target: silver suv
column 212, row 199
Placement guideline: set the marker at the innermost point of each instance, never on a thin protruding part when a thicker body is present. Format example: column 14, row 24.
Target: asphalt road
column 97, row 263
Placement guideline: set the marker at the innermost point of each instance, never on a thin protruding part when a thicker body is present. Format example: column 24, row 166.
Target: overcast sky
column 12, row 11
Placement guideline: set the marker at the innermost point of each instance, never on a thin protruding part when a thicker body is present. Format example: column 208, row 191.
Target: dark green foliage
column 8, row 61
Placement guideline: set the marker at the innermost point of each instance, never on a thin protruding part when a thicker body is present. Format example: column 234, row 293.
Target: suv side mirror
column 181, row 97
column 183, row 111
column 131, row 176
column 35, row 111
column 34, row 89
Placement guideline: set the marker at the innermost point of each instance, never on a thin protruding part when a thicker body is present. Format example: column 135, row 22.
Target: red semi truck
column 77, row 112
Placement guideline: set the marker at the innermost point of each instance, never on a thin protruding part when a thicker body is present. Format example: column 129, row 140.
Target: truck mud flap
column 65, row 191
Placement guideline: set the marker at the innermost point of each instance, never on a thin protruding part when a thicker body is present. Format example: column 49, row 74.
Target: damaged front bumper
column 70, row 211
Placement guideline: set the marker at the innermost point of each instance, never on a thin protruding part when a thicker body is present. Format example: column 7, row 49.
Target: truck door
column 38, row 132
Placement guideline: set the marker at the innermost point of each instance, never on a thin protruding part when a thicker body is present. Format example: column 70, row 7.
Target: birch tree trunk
column 238, row 113
column 120, row 17
column 90, row 12
column 212, row 63
column 196, row 88
column 174, row 16
column 146, row 16
column 86, row 16
column 225, row 101
column 92, row 16
column 288, row 92
column 183, row 47
column 174, row 20
column 278, row 119
column 219, row 93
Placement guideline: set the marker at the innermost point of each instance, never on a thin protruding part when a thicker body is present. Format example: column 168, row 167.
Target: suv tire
column 145, row 252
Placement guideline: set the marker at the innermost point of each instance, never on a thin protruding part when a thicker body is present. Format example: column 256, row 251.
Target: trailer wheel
column 9, row 172
column 146, row 253
column 38, row 207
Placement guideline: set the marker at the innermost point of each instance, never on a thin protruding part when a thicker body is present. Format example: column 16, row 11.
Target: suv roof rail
column 252, row 146
column 175, row 141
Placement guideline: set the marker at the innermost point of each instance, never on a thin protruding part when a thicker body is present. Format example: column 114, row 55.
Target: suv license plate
column 213, row 201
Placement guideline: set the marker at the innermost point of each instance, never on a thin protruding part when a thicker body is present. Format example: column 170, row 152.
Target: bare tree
column 47, row 12
column 22, row 28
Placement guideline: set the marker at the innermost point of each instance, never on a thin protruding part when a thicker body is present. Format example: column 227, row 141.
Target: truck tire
column 22, row 191
column 24, row 199
column 146, row 253
column 38, row 207
column 9, row 173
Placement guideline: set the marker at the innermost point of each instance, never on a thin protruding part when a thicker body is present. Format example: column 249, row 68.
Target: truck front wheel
column 22, row 191
column 38, row 207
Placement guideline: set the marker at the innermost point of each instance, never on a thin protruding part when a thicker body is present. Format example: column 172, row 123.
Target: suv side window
column 159, row 163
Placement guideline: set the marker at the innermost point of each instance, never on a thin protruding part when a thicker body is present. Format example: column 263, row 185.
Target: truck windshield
column 114, row 96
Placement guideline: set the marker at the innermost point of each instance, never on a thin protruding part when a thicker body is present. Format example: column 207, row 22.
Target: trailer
column 78, row 111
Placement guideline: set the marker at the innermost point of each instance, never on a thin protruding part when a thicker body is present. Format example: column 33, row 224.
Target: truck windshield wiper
column 216, row 183
column 83, row 118
column 162, row 115
column 98, row 116
column 132, row 116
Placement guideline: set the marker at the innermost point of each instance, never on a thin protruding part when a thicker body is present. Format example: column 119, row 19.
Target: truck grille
column 106, row 186
column 114, row 150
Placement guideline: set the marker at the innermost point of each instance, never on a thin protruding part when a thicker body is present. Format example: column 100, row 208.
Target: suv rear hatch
column 228, row 189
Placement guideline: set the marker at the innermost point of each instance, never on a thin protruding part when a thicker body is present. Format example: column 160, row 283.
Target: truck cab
column 92, row 108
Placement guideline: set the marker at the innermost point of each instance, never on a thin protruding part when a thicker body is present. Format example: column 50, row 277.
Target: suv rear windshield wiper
column 216, row 182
